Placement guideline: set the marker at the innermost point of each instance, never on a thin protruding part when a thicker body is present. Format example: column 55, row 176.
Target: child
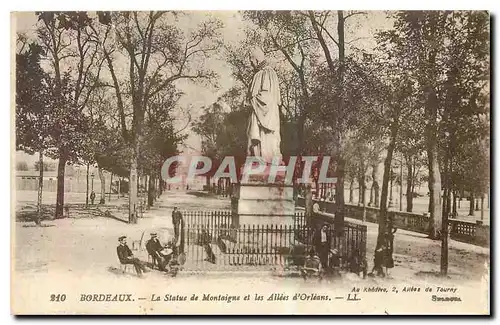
column 358, row 264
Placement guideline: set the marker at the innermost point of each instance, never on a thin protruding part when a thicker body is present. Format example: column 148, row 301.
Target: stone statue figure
column 263, row 131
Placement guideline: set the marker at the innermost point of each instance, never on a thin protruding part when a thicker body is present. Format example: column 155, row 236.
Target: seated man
column 312, row 265
column 154, row 248
column 126, row 257
column 206, row 240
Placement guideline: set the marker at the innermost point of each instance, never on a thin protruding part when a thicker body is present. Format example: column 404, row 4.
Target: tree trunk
column 351, row 191
column 363, row 191
column 110, row 186
column 482, row 208
column 375, row 185
column 454, row 212
column 87, row 191
column 339, row 198
column 444, row 229
column 132, row 188
column 61, row 167
column 160, row 185
column 340, row 168
column 409, row 187
column 471, row 205
column 448, row 202
column 145, row 191
column 401, row 185
column 444, row 241
column 103, row 185
column 39, row 211
column 435, row 193
column 383, row 215
column 360, row 188
column 151, row 191
column 371, row 196
column 207, row 183
column 433, row 164
column 308, row 197
column 445, row 200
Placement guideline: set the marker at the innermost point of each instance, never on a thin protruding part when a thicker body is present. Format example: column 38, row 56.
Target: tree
column 68, row 41
column 32, row 110
column 21, row 166
column 446, row 55
column 161, row 138
column 46, row 166
column 411, row 145
column 158, row 54
column 209, row 126
column 416, row 38
column 341, row 112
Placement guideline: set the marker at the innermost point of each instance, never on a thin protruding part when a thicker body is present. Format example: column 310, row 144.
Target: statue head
column 257, row 56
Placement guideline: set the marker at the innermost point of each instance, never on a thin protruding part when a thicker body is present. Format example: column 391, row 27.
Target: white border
column 5, row 118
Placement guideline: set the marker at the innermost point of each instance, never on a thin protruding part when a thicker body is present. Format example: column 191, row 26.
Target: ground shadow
column 36, row 226
column 200, row 194
column 118, row 271
column 416, row 235
column 433, row 274
column 29, row 213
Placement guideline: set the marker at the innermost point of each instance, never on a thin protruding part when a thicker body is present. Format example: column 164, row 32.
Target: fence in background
column 466, row 231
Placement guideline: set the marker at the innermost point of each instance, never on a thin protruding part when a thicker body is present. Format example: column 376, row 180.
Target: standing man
column 92, row 197
column 176, row 221
column 263, row 130
column 323, row 242
column 126, row 257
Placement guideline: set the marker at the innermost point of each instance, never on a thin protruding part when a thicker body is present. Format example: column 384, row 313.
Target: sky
column 360, row 28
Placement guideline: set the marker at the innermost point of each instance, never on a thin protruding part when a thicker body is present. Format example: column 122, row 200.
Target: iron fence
column 213, row 245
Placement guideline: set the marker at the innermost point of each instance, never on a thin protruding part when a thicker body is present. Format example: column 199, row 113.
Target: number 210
column 58, row 297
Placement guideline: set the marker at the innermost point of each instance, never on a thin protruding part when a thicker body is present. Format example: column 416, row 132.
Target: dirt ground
column 80, row 252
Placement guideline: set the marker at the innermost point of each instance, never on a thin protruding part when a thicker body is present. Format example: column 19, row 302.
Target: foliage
column 33, row 101
column 22, row 166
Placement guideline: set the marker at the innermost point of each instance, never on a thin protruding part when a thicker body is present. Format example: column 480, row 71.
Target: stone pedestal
column 263, row 203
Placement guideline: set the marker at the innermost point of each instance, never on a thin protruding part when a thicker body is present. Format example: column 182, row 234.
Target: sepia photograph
column 253, row 162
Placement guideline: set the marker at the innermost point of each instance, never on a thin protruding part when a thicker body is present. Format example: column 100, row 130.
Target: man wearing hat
column 176, row 221
column 154, row 248
column 126, row 257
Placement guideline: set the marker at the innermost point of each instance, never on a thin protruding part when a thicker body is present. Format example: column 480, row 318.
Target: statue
column 263, row 131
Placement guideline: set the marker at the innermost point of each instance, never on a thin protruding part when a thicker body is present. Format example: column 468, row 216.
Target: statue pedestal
column 263, row 203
